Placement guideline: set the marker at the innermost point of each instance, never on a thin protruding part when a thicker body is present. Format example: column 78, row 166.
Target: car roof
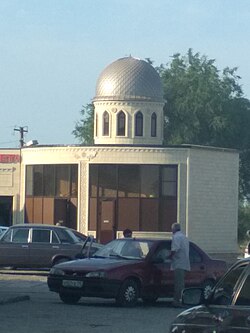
column 37, row 225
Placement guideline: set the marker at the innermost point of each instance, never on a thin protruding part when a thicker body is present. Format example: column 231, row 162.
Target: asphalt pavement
column 9, row 280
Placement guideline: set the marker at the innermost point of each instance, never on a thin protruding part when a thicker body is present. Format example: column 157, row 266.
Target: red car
column 128, row 269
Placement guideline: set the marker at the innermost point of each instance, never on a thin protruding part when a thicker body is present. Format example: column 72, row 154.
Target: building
column 127, row 179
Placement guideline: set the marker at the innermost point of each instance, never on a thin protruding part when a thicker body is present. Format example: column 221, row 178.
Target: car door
column 162, row 275
column 14, row 248
column 198, row 271
column 44, row 244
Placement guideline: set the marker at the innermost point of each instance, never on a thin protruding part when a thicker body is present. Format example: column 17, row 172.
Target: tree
column 206, row 107
column 84, row 128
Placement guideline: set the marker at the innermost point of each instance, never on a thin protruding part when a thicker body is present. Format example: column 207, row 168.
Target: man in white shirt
column 180, row 261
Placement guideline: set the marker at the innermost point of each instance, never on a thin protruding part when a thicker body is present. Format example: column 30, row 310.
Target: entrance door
column 6, row 204
column 107, row 221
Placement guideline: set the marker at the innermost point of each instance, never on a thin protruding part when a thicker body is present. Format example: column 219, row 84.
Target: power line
column 22, row 130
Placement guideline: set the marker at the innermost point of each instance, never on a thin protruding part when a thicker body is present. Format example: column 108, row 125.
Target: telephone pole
column 22, row 130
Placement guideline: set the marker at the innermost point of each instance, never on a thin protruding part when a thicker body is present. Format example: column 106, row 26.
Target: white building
column 127, row 179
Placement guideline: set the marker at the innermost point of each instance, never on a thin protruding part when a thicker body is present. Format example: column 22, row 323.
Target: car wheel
column 149, row 299
column 128, row 294
column 207, row 288
column 69, row 298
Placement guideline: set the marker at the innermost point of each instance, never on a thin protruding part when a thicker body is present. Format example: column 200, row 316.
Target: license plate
column 72, row 283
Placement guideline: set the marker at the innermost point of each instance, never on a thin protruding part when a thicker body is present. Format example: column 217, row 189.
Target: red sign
column 9, row 158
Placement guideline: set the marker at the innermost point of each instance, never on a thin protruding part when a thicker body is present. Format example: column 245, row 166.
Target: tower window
column 105, row 130
column 153, row 125
column 121, row 123
column 139, row 124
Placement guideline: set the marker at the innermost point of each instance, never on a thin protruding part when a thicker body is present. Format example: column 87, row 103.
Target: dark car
column 227, row 309
column 40, row 246
column 128, row 269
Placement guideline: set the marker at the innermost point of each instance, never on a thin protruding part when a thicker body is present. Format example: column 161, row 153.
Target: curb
column 15, row 299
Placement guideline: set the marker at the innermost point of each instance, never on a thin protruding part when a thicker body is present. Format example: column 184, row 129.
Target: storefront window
column 149, row 181
column 169, row 181
column 49, row 180
column 62, row 181
column 38, row 180
column 129, row 181
column 107, row 181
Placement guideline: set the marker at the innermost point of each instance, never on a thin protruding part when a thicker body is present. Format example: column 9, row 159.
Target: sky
column 53, row 51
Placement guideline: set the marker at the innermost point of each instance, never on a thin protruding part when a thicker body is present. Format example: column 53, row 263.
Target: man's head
column 176, row 227
column 127, row 233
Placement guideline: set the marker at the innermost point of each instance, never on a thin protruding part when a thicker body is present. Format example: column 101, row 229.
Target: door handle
column 55, row 247
column 25, row 246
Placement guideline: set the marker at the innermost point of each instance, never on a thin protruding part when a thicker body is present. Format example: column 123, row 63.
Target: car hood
column 198, row 317
column 95, row 264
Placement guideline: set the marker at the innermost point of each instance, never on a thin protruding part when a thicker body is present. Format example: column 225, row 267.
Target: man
column 127, row 233
column 180, row 261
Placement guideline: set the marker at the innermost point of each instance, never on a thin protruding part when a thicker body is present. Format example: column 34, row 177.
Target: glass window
column 105, row 131
column 153, row 125
column 149, row 181
column 40, row 236
column 107, row 181
column 139, row 124
column 55, row 239
column 244, row 295
column 169, row 181
column 225, row 288
column 194, row 256
column 121, row 123
column 74, row 180
column 20, row 235
column 49, row 180
column 129, row 181
column 29, row 180
column 93, row 180
column 38, row 180
column 62, row 180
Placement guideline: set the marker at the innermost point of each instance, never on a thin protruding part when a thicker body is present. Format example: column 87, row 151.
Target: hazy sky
column 52, row 52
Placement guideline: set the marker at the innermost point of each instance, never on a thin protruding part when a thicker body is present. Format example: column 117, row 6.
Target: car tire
column 207, row 288
column 69, row 298
column 149, row 300
column 128, row 294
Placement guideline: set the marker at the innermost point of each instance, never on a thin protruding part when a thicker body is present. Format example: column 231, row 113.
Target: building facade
column 127, row 179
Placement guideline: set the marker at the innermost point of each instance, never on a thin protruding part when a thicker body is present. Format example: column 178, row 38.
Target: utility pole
column 22, row 130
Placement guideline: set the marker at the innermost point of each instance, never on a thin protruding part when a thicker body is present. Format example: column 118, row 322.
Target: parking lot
column 28, row 306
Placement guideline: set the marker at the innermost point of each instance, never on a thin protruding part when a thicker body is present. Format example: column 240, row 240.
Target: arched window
column 105, row 129
column 153, row 125
column 139, row 124
column 121, row 123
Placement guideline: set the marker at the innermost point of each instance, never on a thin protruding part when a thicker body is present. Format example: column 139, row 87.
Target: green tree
column 206, row 107
column 84, row 128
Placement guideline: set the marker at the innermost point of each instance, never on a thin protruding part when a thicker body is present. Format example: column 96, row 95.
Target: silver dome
column 129, row 79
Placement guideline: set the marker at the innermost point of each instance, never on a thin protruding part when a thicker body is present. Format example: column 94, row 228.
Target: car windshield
column 125, row 248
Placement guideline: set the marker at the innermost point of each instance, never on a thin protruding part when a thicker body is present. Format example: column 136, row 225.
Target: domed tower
column 129, row 104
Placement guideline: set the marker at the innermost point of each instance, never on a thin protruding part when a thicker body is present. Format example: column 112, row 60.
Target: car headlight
column 97, row 274
column 56, row 271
